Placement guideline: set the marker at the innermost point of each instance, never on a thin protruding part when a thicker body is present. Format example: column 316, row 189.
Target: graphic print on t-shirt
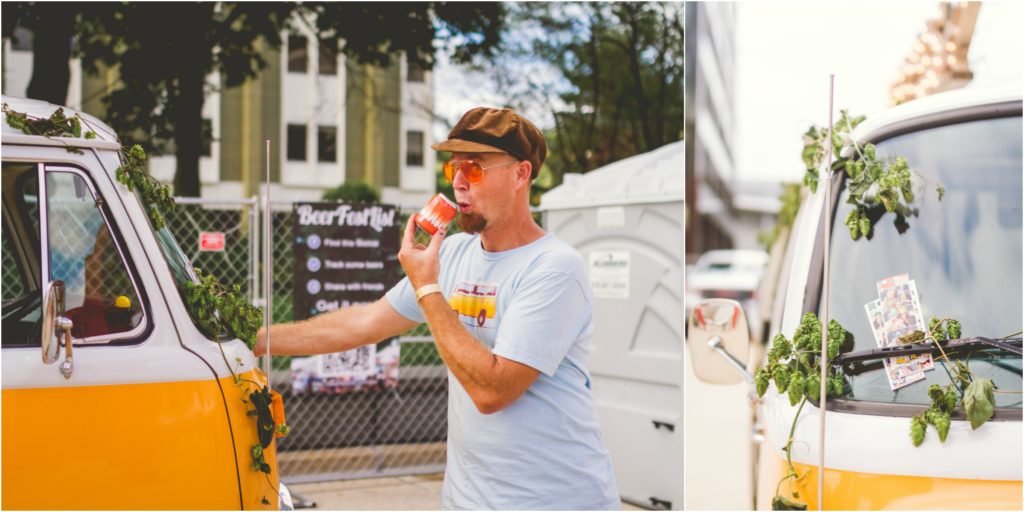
column 475, row 300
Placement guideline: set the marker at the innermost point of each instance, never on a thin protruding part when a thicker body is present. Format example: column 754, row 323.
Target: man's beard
column 471, row 223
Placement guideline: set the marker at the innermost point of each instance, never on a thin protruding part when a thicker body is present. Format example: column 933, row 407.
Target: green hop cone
column 781, row 376
column 813, row 386
column 780, row 502
column 761, row 381
column 941, row 422
column 949, row 399
column 953, row 328
column 781, row 348
column 852, row 222
column 869, row 151
column 918, row 427
column 835, row 343
column 815, row 336
column 796, row 388
column 936, row 330
column 836, row 331
column 836, row 385
column 865, row 226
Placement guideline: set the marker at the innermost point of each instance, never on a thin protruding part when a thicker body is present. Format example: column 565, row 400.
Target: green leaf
column 979, row 401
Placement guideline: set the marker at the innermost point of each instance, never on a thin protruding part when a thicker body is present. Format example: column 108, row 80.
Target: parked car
column 141, row 411
column 965, row 253
column 727, row 274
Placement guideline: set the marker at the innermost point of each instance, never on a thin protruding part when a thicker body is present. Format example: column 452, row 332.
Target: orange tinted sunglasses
column 471, row 169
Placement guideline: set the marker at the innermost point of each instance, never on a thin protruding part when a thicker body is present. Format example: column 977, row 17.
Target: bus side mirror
column 719, row 342
column 55, row 328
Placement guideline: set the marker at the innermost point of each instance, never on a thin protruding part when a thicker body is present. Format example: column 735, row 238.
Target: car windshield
column 182, row 271
column 964, row 252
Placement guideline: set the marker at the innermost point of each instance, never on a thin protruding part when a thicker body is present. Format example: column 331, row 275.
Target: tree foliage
column 162, row 66
column 377, row 32
column 358, row 192
column 163, row 53
column 51, row 71
column 611, row 77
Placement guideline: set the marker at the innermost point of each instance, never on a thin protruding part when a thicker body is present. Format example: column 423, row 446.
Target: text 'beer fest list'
column 345, row 255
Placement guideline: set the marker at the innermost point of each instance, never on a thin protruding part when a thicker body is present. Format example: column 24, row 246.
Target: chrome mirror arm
column 64, row 325
column 716, row 344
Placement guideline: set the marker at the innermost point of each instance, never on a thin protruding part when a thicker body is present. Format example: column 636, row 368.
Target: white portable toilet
column 626, row 218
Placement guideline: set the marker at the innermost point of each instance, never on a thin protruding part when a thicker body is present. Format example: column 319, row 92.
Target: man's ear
column 524, row 171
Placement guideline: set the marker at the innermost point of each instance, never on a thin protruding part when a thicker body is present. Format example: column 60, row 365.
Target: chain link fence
column 338, row 433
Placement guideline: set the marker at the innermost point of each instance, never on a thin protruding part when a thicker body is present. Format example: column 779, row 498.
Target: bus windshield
column 963, row 252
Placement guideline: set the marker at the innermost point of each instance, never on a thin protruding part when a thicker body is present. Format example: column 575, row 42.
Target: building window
column 414, row 72
column 328, row 56
column 297, row 142
column 327, row 144
column 414, row 148
column 297, row 54
column 206, row 147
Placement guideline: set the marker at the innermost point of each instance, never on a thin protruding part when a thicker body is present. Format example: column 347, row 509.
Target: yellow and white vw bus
column 113, row 397
column 965, row 254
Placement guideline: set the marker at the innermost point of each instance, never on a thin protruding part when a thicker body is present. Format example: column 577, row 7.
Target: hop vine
column 975, row 395
column 218, row 309
column 876, row 186
column 58, row 125
column 795, row 368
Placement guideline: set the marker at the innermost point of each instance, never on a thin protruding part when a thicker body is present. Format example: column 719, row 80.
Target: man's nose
column 460, row 182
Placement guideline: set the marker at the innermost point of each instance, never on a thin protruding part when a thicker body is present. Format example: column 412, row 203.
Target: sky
column 786, row 52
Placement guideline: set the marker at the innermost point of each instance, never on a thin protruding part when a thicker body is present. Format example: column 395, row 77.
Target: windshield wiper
column 1012, row 345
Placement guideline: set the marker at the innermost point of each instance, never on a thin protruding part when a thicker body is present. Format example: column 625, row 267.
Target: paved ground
column 421, row 492
column 717, row 433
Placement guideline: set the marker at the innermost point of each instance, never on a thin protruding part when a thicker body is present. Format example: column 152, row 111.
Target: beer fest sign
column 344, row 255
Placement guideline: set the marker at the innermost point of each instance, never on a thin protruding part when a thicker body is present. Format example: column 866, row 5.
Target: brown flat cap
column 497, row 130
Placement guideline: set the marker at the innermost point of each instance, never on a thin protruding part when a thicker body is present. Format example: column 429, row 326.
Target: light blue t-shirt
column 531, row 304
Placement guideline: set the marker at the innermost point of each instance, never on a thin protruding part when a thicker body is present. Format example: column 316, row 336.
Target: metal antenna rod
column 268, row 265
column 822, row 389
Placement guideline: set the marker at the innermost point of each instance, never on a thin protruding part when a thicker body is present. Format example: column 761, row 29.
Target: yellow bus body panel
column 132, row 446
column 848, row 490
